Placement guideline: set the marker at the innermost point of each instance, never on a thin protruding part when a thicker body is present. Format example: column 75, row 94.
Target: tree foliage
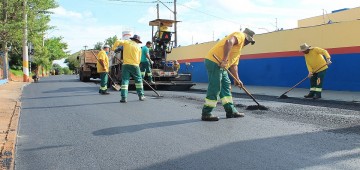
column 11, row 31
column 56, row 48
column 72, row 61
column 98, row 46
column 110, row 41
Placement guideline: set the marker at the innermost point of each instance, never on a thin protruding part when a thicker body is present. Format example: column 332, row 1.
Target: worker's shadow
column 135, row 128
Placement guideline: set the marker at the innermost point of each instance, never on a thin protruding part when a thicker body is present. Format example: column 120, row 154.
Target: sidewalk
column 9, row 115
column 346, row 96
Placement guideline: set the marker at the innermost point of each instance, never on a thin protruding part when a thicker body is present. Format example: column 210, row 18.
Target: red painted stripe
column 271, row 55
column 194, row 60
column 341, row 50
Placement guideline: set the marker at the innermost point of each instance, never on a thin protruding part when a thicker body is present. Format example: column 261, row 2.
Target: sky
column 85, row 22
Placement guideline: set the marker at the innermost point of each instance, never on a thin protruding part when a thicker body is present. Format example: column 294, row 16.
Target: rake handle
column 152, row 88
column 303, row 80
column 238, row 81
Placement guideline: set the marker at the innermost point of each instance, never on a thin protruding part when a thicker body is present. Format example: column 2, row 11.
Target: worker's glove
column 328, row 62
column 239, row 84
column 151, row 62
column 310, row 74
column 223, row 64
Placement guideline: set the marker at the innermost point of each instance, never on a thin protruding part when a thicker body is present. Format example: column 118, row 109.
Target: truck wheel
column 86, row 79
column 81, row 78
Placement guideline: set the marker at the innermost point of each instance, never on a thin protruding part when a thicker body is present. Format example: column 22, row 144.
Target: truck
column 165, row 73
column 87, row 68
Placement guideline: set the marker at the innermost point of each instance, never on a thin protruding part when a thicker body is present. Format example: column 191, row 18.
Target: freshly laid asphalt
column 66, row 124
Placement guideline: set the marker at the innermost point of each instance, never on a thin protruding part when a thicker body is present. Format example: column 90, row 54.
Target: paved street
column 66, row 124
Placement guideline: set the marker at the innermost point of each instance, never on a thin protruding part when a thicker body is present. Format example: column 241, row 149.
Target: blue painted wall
column 343, row 74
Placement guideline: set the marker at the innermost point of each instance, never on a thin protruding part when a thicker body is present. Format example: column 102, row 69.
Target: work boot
column 141, row 98
column 317, row 96
column 209, row 117
column 310, row 95
column 104, row 93
column 234, row 115
column 123, row 100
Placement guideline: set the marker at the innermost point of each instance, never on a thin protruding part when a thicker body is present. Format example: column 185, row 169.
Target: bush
column 66, row 70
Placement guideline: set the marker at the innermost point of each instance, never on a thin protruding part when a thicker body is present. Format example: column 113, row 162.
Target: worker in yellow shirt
column 314, row 58
column 103, row 69
column 161, row 42
column 163, row 29
column 130, row 67
column 228, row 51
column 176, row 66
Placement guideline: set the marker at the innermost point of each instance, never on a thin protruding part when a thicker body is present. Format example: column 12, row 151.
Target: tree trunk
column 5, row 62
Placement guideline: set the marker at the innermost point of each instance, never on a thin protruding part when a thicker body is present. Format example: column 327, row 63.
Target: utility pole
column 276, row 24
column 4, row 45
column 157, row 8
column 176, row 33
column 25, row 47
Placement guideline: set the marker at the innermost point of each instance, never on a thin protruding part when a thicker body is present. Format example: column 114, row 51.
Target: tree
column 98, row 46
column 72, row 61
column 56, row 48
column 110, row 41
column 66, row 71
column 12, row 24
column 10, row 21
column 57, row 68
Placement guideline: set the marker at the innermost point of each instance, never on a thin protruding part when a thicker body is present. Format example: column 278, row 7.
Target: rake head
column 116, row 87
column 284, row 96
column 256, row 107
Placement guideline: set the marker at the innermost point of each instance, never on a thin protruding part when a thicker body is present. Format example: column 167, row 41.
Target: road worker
column 103, row 69
column 146, row 62
column 228, row 52
column 176, row 66
column 160, row 44
column 130, row 67
column 317, row 66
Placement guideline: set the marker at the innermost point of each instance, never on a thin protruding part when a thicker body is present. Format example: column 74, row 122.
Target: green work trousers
column 316, row 82
column 219, row 86
column 146, row 70
column 103, row 82
column 134, row 72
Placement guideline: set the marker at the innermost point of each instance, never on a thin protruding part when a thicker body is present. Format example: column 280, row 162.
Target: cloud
column 63, row 13
column 202, row 20
column 81, row 29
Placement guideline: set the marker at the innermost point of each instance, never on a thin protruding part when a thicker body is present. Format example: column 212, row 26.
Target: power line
column 210, row 14
column 134, row 1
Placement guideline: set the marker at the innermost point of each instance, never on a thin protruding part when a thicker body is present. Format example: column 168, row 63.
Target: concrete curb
column 7, row 152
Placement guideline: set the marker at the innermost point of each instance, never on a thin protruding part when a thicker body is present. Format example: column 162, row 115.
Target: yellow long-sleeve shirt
column 102, row 56
column 131, row 52
column 235, row 51
column 315, row 59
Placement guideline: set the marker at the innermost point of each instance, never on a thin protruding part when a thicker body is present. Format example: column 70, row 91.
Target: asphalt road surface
column 66, row 124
